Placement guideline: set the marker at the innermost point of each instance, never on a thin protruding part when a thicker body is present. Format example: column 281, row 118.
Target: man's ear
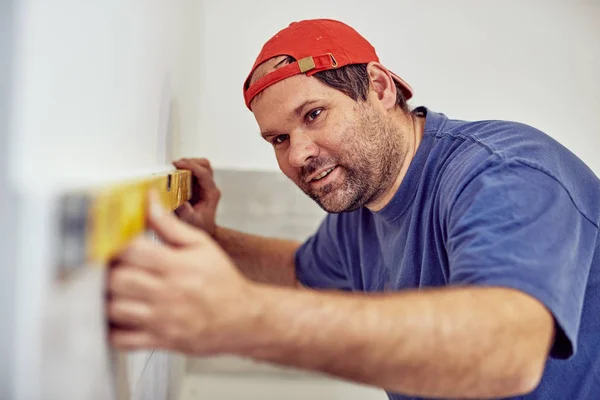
column 383, row 84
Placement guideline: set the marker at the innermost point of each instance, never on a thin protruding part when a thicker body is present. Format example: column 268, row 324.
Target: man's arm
column 464, row 342
column 261, row 259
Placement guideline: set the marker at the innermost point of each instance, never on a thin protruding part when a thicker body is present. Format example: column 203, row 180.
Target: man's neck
column 413, row 127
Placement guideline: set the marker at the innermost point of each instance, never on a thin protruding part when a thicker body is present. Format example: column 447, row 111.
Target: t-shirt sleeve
column 515, row 226
column 319, row 264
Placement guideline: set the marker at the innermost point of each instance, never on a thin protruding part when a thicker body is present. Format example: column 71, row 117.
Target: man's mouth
column 323, row 174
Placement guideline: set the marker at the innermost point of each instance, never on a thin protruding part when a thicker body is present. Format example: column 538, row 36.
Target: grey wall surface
column 8, row 214
column 265, row 203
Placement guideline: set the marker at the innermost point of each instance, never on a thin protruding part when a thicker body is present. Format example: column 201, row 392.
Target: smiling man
column 457, row 260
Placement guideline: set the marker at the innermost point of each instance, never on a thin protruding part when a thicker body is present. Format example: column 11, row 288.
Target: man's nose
column 302, row 149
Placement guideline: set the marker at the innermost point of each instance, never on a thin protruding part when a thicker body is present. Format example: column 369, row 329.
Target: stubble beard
column 372, row 158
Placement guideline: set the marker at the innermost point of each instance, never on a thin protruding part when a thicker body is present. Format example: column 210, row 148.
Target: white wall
column 100, row 89
column 535, row 61
column 92, row 79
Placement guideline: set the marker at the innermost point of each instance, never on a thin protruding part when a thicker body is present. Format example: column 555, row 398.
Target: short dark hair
column 352, row 80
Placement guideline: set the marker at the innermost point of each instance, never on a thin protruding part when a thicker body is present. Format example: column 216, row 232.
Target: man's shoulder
column 465, row 150
column 506, row 137
column 476, row 142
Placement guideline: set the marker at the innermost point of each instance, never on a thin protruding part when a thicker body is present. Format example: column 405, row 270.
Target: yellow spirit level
column 95, row 224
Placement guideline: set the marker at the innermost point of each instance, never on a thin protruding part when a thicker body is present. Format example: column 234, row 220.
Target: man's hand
column 184, row 295
column 201, row 210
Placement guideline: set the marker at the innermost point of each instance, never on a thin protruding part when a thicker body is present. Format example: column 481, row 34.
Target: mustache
column 314, row 165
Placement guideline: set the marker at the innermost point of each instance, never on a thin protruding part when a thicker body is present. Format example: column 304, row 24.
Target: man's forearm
column 262, row 259
column 465, row 343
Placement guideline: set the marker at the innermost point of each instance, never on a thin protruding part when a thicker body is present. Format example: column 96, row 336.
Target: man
column 458, row 259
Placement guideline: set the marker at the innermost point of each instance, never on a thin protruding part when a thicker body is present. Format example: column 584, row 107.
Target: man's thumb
column 168, row 227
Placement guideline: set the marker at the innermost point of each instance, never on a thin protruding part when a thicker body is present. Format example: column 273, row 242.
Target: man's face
column 342, row 153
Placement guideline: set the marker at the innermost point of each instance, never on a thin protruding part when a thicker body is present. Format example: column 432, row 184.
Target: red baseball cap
column 317, row 45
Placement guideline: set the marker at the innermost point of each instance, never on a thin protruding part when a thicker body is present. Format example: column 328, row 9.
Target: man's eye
column 311, row 116
column 280, row 139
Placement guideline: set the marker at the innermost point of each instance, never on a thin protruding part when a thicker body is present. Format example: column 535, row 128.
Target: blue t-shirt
column 487, row 203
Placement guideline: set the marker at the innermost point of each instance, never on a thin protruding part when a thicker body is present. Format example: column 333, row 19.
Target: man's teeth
column 323, row 174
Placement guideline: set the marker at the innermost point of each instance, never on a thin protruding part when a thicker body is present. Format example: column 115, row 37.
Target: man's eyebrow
column 298, row 110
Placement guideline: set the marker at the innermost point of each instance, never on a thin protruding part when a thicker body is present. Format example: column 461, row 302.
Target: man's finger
column 128, row 312
column 203, row 175
column 127, row 282
column 200, row 161
column 145, row 253
column 170, row 228
column 206, row 164
column 191, row 161
column 185, row 211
